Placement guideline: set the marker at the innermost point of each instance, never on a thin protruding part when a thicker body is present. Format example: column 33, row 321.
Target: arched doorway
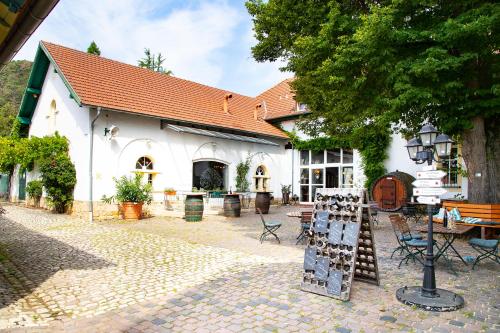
column 210, row 175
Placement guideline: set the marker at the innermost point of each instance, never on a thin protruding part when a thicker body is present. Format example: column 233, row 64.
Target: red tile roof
column 110, row 84
column 279, row 101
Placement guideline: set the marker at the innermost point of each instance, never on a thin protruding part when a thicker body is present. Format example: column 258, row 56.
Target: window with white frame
column 451, row 166
column 144, row 166
column 324, row 169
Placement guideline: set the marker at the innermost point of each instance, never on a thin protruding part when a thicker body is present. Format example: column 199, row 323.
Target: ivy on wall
column 58, row 174
column 371, row 141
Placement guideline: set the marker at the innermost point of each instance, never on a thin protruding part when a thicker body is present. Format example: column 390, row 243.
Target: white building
column 171, row 130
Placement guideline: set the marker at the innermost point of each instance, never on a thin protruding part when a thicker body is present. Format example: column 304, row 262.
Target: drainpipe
column 91, row 158
column 293, row 165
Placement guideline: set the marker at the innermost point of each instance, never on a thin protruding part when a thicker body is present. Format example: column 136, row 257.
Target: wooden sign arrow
column 429, row 191
column 437, row 174
column 428, row 200
column 428, row 183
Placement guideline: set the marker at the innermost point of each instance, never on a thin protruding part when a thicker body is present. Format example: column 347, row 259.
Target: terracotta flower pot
column 170, row 192
column 131, row 210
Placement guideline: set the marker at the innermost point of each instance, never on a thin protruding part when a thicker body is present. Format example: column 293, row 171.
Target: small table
column 295, row 213
column 449, row 236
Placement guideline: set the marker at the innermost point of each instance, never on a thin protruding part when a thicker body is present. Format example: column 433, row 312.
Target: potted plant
column 285, row 191
column 131, row 194
column 34, row 189
column 170, row 191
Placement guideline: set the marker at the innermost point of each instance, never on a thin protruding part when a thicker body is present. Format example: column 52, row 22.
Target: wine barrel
column 232, row 205
column 194, row 207
column 263, row 201
column 392, row 191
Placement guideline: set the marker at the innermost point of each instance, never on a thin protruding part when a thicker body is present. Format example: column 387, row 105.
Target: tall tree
column 153, row 62
column 94, row 49
column 403, row 62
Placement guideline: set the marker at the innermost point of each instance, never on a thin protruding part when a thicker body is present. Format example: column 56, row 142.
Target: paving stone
column 388, row 319
column 457, row 323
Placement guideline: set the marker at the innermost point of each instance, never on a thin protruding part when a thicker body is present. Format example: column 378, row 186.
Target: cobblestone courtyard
column 59, row 273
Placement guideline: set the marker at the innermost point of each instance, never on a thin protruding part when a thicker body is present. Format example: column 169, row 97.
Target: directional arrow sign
column 429, row 200
column 428, row 183
column 429, row 191
column 437, row 174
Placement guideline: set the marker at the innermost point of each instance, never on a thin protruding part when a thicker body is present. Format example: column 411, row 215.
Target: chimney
column 256, row 111
column 225, row 106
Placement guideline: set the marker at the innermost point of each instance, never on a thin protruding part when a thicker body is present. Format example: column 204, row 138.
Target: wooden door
column 388, row 193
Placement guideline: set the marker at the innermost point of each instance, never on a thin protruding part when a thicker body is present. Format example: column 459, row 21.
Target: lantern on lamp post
column 428, row 297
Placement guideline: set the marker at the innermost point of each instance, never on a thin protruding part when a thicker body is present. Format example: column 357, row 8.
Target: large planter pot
column 263, row 201
column 193, row 209
column 285, row 197
column 232, row 205
column 131, row 210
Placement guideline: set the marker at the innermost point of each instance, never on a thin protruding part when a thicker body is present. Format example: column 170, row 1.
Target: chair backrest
column 399, row 224
column 261, row 216
column 306, row 217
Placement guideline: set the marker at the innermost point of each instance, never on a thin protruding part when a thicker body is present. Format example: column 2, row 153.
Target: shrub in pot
column 285, row 191
column 170, row 191
column 34, row 189
column 131, row 194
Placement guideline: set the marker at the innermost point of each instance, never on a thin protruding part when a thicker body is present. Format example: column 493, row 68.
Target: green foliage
column 372, row 142
column 405, row 62
column 59, row 179
column 286, row 188
column 131, row 189
column 242, row 168
column 94, row 49
column 13, row 78
column 210, row 179
column 51, row 154
column 153, row 62
column 34, row 189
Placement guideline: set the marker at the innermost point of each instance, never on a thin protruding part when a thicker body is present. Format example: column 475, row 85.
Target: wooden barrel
column 392, row 191
column 232, row 205
column 194, row 207
column 263, row 201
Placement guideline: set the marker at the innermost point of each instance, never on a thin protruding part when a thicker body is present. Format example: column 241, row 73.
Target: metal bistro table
column 298, row 214
column 449, row 236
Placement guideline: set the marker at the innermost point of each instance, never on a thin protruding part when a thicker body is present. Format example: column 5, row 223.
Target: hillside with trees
column 13, row 79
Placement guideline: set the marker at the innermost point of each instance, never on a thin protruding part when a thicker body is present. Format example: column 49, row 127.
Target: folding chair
column 401, row 236
column 269, row 227
column 487, row 248
column 414, row 246
column 305, row 225
column 373, row 211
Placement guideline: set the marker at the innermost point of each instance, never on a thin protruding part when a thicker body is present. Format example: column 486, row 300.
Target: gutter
column 24, row 27
column 91, row 160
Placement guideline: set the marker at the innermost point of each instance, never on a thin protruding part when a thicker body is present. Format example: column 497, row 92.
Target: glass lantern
column 443, row 145
column 427, row 135
column 414, row 146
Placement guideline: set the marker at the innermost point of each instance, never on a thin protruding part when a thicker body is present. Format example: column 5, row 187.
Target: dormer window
column 301, row 107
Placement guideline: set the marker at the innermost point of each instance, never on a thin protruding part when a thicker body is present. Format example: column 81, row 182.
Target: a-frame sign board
column 331, row 255
column 366, row 261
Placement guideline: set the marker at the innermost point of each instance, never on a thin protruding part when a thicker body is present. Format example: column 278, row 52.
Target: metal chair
column 487, row 248
column 269, row 227
column 413, row 245
column 305, row 225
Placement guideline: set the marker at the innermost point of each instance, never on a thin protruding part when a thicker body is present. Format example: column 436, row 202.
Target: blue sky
column 203, row 41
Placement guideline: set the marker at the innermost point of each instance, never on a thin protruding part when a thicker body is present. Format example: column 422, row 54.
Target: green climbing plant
column 242, row 168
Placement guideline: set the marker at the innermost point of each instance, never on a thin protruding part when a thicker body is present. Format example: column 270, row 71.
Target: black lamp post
column 428, row 297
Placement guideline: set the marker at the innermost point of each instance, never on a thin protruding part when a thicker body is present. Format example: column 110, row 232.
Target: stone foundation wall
column 104, row 211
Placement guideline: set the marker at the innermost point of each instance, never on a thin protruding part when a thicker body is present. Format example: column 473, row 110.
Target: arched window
column 145, row 165
column 261, row 179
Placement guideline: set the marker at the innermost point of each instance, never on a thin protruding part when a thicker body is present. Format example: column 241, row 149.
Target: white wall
column 71, row 121
column 173, row 154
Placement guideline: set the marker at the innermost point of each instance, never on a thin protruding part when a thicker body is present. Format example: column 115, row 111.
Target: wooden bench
column 486, row 212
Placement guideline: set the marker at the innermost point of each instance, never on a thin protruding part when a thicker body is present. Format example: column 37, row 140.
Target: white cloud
column 205, row 41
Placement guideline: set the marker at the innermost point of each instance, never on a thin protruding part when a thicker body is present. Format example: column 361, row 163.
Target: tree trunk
column 492, row 127
column 474, row 153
